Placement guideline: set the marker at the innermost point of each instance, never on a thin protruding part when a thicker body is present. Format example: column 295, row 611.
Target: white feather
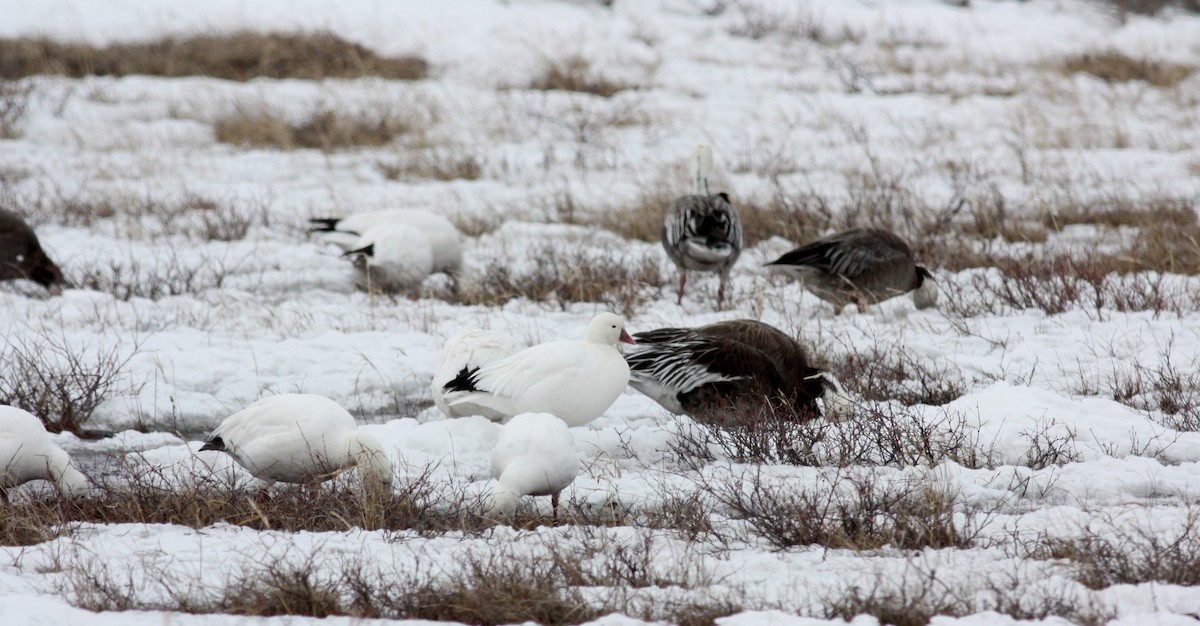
column 27, row 453
column 441, row 235
column 297, row 438
column 574, row 380
column 401, row 258
column 468, row 349
column 534, row 456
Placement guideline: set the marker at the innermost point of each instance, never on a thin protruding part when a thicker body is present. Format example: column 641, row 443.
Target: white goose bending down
column 716, row 373
column 575, row 381
column 443, row 238
column 464, row 352
column 860, row 265
column 535, row 456
column 703, row 231
column 392, row 258
column 26, row 453
column 300, row 438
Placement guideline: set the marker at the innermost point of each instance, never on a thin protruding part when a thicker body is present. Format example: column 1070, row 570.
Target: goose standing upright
column 861, row 265
column 391, row 258
column 576, row 381
column 21, row 255
column 463, row 353
column 26, row 453
column 703, row 231
column 300, row 438
column 535, row 456
column 724, row 368
column 442, row 237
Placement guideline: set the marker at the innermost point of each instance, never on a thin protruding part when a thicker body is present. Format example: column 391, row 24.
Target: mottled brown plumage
column 21, row 255
column 718, row 372
column 861, row 266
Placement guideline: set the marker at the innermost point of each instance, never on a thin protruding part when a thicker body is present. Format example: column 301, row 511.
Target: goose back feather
column 861, row 265
column 27, row 453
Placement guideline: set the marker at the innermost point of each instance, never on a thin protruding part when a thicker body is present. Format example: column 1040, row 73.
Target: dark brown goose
column 702, row 232
column 706, row 372
column 861, row 265
column 21, row 255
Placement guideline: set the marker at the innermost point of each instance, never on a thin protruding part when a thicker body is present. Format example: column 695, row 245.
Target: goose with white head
column 534, row 456
column 574, row 380
column 301, row 438
column 27, row 454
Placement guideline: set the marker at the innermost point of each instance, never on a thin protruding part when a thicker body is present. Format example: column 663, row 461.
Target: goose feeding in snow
column 300, row 438
column 392, row 257
column 575, row 381
column 861, row 265
column 534, row 456
column 708, row 371
column 21, row 255
column 703, row 231
column 442, row 237
column 26, row 453
column 463, row 353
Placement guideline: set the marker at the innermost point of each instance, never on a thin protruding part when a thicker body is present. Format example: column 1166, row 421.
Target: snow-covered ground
column 803, row 98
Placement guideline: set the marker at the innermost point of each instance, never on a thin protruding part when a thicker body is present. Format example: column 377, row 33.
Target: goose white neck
column 374, row 468
column 504, row 500
column 702, row 164
column 71, row 482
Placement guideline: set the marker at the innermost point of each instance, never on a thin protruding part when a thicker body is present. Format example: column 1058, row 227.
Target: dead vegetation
column 568, row 583
column 238, row 56
column 433, row 165
column 858, row 512
column 576, row 73
column 60, row 380
column 322, row 128
column 1109, row 552
column 1114, row 66
column 563, row 276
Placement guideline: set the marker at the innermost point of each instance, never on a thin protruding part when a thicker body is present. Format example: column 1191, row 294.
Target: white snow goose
column 575, row 381
column 535, row 456
column 21, row 255
column 391, row 258
column 861, row 265
column 716, row 373
column 442, row 237
column 300, row 438
column 463, row 353
column 703, row 231
column 26, row 453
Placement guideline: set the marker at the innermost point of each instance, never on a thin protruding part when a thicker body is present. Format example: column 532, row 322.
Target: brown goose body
column 709, row 371
column 861, row 266
column 21, row 255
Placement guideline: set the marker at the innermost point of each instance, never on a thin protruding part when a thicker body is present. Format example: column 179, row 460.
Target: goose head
column 608, row 328
column 926, row 293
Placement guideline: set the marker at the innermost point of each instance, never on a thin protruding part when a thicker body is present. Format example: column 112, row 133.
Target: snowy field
column 1028, row 450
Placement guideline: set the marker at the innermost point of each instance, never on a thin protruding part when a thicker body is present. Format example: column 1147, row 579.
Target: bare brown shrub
column 1152, row 7
column 323, row 129
column 155, row 278
column 575, row 73
column 436, row 165
column 858, row 512
column 502, row 586
column 237, row 56
column 14, row 102
column 1114, row 66
column 59, row 380
column 1118, row 554
column 878, row 434
column 622, row 282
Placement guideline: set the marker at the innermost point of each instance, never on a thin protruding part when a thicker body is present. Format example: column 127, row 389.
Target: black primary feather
column 464, row 381
column 216, row 443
